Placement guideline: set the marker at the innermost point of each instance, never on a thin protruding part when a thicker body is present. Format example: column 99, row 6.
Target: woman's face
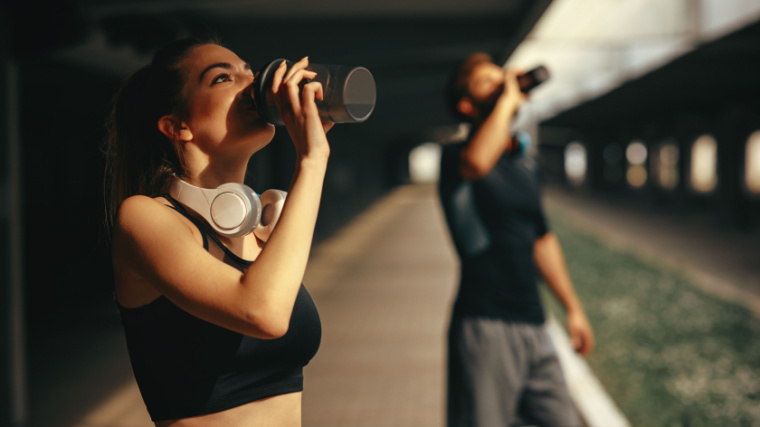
column 219, row 107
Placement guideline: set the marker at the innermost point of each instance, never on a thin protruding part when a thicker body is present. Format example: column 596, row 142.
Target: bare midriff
column 277, row 411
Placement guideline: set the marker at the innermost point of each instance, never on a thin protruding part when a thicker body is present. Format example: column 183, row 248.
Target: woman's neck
column 205, row 172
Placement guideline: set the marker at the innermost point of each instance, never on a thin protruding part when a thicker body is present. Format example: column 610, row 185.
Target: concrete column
column 13, row 408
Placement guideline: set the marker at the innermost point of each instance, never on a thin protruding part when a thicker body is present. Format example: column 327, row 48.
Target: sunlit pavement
column 384, row 285
column 384, row 305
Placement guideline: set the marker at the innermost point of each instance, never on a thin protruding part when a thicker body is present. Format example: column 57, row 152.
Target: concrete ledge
column 593, row 402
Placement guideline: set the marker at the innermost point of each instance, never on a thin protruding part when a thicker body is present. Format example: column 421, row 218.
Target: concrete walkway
column 383, row 286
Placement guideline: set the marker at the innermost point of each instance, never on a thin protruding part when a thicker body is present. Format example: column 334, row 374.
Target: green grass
column 668, row 354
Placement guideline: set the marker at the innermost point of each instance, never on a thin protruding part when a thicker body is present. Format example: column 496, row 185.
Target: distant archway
column 704, row 161
column 425, row 163
column 667, row 165
column 576, row 163
column 636, row 154
column 752, row 163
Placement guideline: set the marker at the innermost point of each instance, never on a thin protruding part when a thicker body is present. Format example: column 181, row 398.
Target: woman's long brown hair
column 139, row 158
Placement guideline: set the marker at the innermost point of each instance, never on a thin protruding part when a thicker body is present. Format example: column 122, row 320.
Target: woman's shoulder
column 139, row 212
column 148, row 235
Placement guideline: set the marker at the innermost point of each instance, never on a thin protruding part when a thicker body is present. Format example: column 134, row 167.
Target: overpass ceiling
column 289, row 8
column 409, row 45
column 713, row 77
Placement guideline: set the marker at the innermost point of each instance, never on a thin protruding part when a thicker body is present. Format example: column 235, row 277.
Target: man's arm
column 550, row 262
column 493, row 136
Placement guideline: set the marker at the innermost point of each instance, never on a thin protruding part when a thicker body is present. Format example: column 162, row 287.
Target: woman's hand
column 296, row 101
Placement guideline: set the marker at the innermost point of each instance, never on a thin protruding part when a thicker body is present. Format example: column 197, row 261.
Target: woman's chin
column 262, row 138
column 259, row 129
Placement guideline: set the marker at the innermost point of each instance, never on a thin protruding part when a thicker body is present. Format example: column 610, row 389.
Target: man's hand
column 581, row 334
column 512, row 94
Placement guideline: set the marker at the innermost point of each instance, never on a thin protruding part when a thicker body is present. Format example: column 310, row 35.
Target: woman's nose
column 247, row 85
column 246, row 78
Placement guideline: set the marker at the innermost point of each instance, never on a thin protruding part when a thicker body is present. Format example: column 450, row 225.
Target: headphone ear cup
column 236, row 210
column 272, row 202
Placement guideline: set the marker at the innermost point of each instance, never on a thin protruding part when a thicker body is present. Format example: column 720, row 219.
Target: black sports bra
column 185, row 366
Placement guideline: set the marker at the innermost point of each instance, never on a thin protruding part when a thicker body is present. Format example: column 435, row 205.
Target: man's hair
column 457, row 86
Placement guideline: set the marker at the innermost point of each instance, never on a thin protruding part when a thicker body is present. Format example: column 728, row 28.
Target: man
column 503, row 369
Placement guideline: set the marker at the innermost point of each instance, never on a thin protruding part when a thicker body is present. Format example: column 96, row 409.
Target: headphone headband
column 232, row 209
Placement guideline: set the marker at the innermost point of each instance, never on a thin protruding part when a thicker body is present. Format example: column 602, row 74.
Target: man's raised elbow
column 473, row 170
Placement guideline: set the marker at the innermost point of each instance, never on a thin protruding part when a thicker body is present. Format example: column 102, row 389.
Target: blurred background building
column 652, row 98
column 650, row 101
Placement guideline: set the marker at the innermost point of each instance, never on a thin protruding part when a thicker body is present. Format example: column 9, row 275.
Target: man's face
column 485, row 85
column 485, row 79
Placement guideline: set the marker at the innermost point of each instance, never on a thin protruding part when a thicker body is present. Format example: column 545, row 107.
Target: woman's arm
column 282, row 263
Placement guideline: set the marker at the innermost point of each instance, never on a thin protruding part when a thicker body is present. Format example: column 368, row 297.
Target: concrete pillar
column 13, row 408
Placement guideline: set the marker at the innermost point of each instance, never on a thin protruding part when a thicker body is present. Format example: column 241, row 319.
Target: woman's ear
column 465, row 107
column 174, row 129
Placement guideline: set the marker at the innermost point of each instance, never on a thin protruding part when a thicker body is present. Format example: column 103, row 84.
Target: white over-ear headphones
column 232, row 209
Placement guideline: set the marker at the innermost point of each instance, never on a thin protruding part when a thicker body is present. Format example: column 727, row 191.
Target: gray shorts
column 505, row 374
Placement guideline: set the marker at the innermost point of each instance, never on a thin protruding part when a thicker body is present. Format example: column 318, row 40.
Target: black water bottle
column 532, row 78
column 349, row 93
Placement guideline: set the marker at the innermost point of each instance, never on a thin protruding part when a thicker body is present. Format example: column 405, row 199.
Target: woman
column 214, row 337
